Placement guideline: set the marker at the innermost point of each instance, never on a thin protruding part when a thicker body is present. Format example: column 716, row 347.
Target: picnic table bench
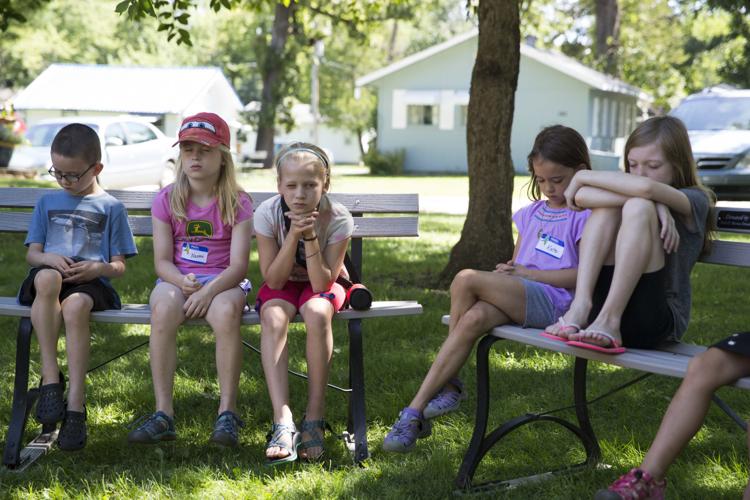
column 396, row 215
column 669, row 359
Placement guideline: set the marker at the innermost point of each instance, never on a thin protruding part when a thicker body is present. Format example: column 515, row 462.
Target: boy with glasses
column 78, row 239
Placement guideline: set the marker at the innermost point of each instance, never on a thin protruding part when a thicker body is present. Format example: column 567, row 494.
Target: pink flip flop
column 614, row 346
column 563, row 324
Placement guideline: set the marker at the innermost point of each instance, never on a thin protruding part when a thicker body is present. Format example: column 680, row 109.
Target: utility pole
column 315, row 91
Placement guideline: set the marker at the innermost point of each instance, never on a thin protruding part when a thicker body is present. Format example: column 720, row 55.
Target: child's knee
column 462, row 280
column 48, row 282
column 76, row 308
column 638, row 207
column 702, row 367
column 224, row 310
column 317, row 316
column 273, row 321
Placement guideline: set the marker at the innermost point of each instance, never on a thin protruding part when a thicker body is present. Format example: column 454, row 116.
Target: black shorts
column 647, row 319
column 738, row 343
column 104, row 296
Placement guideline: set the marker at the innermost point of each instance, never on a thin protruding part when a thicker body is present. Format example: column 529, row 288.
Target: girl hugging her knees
column 647, row 228
column 202, row 225
column 532, row 289
column 302, row 240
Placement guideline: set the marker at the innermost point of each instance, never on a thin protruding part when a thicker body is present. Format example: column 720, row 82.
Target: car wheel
column 167, row 175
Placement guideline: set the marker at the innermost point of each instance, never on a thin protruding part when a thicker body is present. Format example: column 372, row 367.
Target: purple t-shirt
column 202, row 242
column 549, row 241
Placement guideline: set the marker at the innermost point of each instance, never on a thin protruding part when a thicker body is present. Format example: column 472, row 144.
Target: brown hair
column 561, row 145
column 672, row 137
column 77, row 140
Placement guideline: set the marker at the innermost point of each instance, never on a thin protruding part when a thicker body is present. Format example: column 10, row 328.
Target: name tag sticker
column 194, row 253
column 551, row 246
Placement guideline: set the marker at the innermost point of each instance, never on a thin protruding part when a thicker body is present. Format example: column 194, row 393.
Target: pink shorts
column 299, row 292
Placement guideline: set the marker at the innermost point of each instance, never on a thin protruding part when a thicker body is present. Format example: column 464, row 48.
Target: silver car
column 718, row 121
column 134, row 152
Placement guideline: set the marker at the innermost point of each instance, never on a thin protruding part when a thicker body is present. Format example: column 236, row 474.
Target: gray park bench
column 669, row 359
column 396, row 216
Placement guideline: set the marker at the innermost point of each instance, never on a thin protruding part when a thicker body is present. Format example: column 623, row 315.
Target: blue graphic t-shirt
column 93, row 227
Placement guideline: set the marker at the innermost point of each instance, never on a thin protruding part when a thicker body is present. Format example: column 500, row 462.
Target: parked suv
column 134, row 152
column 718, row 121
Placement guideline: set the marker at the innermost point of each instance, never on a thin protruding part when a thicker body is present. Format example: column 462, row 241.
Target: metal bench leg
column 474, row 453
column 587, row 435
column 481, row 443
column 730, row 412
column 357, row 423
column 21, row 400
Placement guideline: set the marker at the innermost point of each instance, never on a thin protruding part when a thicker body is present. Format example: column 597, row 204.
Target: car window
column 41, row 135
column 138, row 132
column 716, row 113
column 115, row 131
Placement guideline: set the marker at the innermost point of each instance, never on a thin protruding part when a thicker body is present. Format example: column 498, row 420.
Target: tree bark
column 273, row 71
column 607, row 34
column 486, row 238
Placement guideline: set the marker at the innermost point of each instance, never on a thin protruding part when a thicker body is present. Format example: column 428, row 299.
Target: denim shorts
column 539, row 309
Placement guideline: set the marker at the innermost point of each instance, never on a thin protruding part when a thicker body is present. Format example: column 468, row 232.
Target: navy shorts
column 104, row 296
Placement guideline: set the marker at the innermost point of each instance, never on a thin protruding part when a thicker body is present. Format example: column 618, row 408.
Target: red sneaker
column 635, row 485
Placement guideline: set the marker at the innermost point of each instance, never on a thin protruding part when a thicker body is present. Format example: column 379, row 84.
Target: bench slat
column 18, row 222
column 672, row 360
column 733, row 253
column 140, row 314
column 141, row 200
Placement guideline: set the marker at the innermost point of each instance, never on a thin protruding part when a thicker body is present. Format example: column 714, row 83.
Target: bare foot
column 597, row 336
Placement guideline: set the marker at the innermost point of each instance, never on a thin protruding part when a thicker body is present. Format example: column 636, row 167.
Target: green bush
column 385, row 162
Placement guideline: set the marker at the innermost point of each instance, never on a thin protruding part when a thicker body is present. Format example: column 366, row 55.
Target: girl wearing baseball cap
column 202, row 226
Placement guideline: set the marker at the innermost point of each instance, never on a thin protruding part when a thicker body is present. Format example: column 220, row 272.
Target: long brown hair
column 671, row 135
column 561, row 145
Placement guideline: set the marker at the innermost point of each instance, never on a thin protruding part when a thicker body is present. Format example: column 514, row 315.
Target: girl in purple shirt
column 532, row 289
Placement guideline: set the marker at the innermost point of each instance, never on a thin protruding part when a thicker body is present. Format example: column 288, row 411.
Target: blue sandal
column 285, row 437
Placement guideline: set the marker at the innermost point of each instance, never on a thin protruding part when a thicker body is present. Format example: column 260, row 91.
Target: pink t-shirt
column 202, row 242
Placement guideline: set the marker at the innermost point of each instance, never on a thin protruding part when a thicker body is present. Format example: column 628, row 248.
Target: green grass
column 398, row 353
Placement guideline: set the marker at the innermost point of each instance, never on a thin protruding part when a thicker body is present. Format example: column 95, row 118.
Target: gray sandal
column 316, row 430
column 285, row 437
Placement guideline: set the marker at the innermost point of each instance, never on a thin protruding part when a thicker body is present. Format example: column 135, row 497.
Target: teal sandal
column 285, row 437
column 316, row 430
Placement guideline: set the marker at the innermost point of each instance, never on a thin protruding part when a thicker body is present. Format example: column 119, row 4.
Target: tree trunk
column 273, row 70
column 486, row 238
column 607, row 34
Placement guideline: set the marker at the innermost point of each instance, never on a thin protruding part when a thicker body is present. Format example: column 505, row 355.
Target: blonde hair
column 672, row 137
column 304, row 152
column 226, row 189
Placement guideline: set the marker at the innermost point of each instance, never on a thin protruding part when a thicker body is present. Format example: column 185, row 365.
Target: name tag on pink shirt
column 194, row 253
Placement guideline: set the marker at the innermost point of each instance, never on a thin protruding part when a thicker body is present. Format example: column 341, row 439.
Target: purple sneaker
column 409, row 427
column 445, row 401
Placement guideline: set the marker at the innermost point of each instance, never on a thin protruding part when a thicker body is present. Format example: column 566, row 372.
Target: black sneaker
column 158, row 427
column 226, row 430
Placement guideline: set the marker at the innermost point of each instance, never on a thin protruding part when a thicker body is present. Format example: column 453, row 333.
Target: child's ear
column 98, row 168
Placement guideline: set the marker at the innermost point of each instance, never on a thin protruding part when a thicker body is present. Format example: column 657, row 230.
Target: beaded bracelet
column 310, row 239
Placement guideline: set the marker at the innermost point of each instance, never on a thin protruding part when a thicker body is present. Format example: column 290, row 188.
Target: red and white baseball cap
column 204, row 128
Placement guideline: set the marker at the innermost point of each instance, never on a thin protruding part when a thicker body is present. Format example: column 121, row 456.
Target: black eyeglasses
column 72, row 178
